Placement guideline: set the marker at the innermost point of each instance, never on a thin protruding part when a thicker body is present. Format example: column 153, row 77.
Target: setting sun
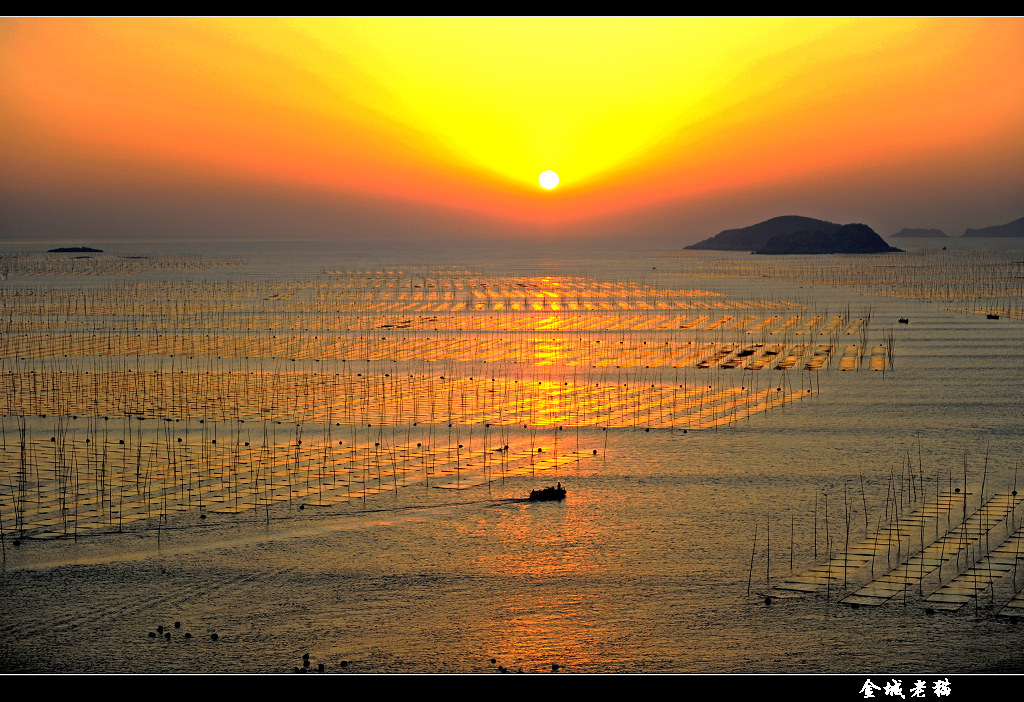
column 548, row 180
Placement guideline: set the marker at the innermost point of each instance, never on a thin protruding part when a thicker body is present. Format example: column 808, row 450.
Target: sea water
column 659, row 560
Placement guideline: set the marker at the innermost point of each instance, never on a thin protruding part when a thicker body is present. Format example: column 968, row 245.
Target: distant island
column 849, row 238
column 1014, row 228
column 793, row 234
column 921, row 233
column 75, row 249
column 757, row 235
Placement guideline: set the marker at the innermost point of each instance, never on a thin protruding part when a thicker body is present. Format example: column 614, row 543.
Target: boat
column 904, row 320
column 548, row 494
column 992, row 316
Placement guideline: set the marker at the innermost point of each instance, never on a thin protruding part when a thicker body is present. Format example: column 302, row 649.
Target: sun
column 548, row 180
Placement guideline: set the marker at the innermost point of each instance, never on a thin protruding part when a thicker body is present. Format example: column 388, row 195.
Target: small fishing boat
column 548, row 494
column 904, row 320
column 992, row 316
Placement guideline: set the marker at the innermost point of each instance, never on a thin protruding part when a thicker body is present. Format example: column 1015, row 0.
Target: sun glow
column 457, row 112
column 548, row 180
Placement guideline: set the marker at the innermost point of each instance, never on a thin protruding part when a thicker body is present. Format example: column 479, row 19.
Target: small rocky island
column 757, row 235
column 1014, row 228
column 798, row 235
column 921, row 233
column 848, row 239
column 75, row 249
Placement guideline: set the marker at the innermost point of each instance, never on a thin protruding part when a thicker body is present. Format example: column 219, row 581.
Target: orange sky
column 847, row 119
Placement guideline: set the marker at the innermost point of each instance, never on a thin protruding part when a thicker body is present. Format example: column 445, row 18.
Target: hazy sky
column 371, row 127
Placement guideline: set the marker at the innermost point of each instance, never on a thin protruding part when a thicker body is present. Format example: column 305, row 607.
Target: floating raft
column 949, row 547
column 848, row 565
column 1001, row 561
column 877, row 362
column 851, row 354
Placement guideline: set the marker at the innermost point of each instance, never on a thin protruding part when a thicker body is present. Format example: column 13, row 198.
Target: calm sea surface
column 661, row 556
